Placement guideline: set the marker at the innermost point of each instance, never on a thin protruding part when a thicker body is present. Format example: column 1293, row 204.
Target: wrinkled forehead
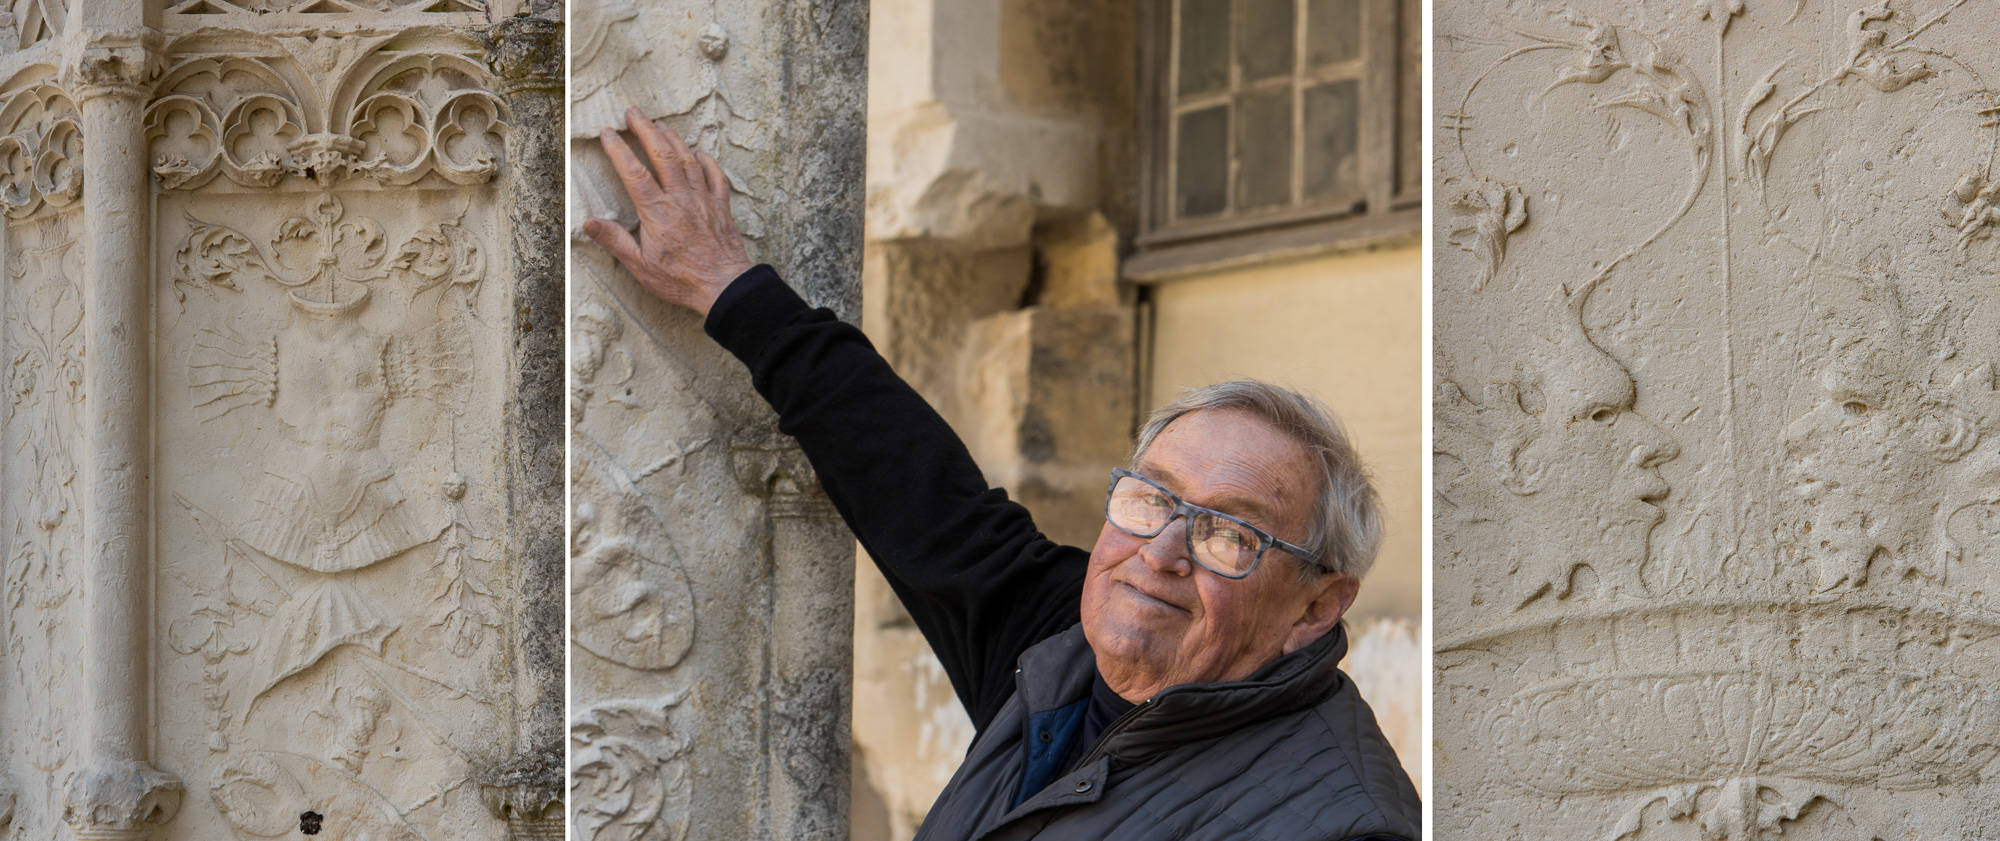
column 1235, row 462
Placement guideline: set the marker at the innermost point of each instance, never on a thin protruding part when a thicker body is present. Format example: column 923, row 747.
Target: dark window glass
column 1204, row 42
column 1264, row 149
column 1332, row 164
column 1201, row 163
column 1264, row 44
column 1333, row 31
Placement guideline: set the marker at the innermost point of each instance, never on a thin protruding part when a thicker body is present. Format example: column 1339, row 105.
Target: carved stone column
column 527, row 55
column 118, row 795
column 711, row 593
column 807, row 751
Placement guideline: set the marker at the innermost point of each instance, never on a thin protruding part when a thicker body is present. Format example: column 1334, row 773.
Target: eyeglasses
column 1222, row 544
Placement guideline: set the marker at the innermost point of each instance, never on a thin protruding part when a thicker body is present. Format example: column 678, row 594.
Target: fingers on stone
column 638, row 180
column 717, row 181
column 690, row 169
column 653, row 136
column 614, row 238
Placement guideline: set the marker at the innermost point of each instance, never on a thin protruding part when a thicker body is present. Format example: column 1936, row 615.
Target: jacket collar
column 1058, row 671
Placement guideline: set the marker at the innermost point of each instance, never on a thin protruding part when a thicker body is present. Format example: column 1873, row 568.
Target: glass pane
column 1264, row 45
column 1264, row 149
column 1332, row 128
column 1333, row 31
column 1201, row 163
column 1204, row 51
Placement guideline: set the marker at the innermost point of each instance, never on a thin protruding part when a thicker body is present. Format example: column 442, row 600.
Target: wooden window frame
column 1390, row 205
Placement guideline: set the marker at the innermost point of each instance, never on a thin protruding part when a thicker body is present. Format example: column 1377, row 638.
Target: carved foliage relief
column 41, row 314
column 711, row 74
column 331, row 369
column 1716, row 465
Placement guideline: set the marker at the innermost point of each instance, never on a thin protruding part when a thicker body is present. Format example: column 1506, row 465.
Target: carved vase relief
column 1716, row 473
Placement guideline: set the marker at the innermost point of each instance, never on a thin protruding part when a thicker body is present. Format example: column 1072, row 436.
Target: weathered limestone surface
column 274, row 525
column 711, row 581
column 1716, row 465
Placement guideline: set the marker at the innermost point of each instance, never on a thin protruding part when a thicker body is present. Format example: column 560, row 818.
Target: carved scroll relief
column 710, row 92
column 1715, row 458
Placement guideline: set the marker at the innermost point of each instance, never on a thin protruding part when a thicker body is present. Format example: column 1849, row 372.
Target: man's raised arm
column 981, row 582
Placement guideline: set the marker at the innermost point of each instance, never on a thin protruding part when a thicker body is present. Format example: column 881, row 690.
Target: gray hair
column 1346, row 527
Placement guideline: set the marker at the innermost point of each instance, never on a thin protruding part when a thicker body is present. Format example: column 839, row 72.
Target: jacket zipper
column 1097, row 748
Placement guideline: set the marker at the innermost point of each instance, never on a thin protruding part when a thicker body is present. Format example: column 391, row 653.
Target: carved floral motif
column 260, row 794
column 630, row 776
column 1802, row 653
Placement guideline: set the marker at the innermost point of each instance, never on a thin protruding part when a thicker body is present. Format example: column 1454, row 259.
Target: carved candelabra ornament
column 1715, row 461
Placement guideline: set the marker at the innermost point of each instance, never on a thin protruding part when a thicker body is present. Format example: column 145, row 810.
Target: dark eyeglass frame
column 1183, row 508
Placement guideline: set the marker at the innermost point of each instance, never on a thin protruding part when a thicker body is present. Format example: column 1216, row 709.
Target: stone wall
column 273, row 401
column 711, row 581
column 1715, row 451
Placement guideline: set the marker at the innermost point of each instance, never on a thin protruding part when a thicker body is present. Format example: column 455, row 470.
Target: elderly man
column 1180, row 680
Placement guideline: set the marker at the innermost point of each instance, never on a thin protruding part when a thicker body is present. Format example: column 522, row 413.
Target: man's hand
column 688, row 247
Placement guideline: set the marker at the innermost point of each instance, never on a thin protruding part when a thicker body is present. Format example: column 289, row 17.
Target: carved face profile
column 1592, row 463
column 1578, row 465
column 1866, row 459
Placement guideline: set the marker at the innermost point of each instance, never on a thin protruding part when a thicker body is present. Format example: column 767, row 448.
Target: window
column 1276, row 125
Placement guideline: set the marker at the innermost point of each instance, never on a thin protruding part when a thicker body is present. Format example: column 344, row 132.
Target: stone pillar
column 527, row 54
column 1715, row 456
column 711, row 584
column 119, row 795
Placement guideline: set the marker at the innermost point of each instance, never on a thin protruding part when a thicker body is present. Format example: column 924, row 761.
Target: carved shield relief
column 1715, row 418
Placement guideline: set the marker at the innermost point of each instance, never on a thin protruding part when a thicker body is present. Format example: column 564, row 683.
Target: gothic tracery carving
column 390, row 122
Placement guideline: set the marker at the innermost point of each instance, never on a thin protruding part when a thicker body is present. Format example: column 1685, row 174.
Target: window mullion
column 1378, row 95
column 1300, row 62
column 1231, row 112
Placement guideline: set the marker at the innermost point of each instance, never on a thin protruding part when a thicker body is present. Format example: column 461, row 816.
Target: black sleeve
column 981, row 582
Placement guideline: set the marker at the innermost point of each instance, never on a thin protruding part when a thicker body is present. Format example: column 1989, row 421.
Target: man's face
column 1153, row 616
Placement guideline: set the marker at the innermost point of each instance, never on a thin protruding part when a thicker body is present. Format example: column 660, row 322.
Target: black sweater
column 981, row 582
